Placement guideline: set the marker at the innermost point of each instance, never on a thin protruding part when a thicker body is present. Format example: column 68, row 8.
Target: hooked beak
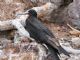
column 23, row 13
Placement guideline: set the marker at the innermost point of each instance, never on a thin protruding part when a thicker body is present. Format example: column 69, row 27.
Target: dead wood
column 74, row 31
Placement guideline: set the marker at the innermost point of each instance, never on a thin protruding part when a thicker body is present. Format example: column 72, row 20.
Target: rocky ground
column 11, row 51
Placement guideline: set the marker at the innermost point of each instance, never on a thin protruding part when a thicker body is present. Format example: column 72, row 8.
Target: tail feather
column 63, row 51
column 53, row 54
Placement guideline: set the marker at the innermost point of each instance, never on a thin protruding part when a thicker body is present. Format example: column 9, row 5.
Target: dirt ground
column 8, row 11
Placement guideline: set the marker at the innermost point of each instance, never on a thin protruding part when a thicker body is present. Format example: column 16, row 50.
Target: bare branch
column 74, row 31
column 42, row 10
column 70, row 49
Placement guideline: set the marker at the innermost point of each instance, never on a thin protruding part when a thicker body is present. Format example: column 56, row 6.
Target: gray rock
column 74, row 13
column 76, row 42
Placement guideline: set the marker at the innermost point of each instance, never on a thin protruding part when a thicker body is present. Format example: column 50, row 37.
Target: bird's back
column 37, row 24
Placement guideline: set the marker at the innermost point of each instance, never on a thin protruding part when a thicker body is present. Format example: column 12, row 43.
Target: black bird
column 43, row 35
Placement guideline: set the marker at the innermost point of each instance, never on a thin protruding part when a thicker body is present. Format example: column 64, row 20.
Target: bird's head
column 32, row 13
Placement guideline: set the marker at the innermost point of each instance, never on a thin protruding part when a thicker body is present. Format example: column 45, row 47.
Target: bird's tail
column 53, row 54
column 63, row 51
